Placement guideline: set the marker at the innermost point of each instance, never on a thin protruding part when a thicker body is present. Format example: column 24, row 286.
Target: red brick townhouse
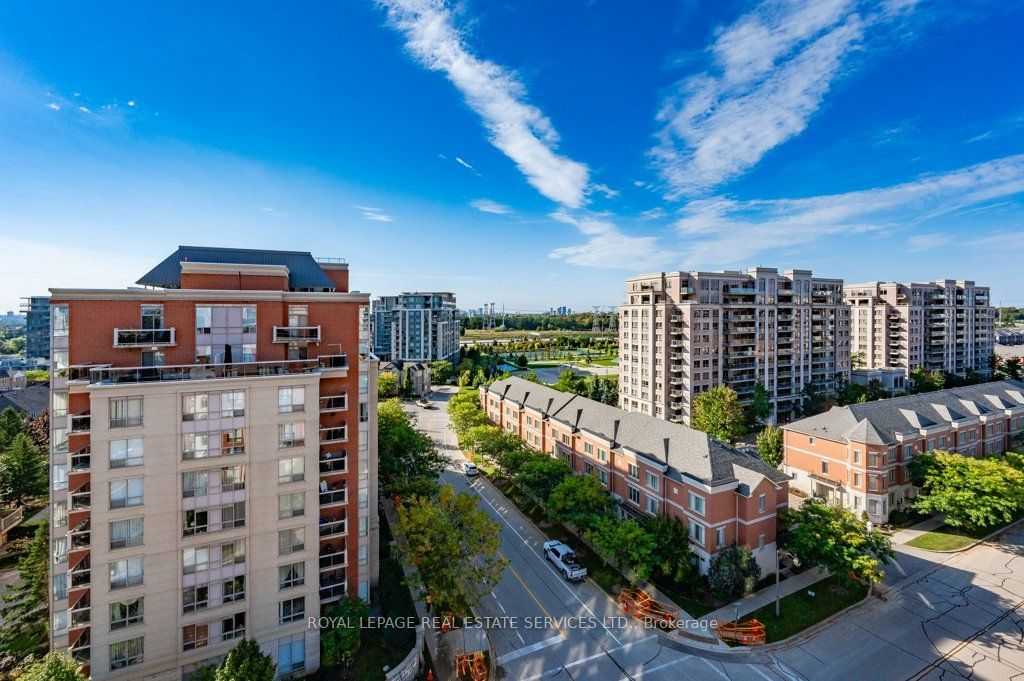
column 858, row 455
column 651, row 466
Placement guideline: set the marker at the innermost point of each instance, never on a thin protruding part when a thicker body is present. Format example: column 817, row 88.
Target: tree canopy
column 769, row 445
column 342, row 640
column 830, row 537
column 580, row 500
column 969, row 492
column 733, row 571
column 387, row 385
column 404, row 453
column 57, row 665
column 718, row 413
column 247, row 662
column 24, row 611
column 22, row 471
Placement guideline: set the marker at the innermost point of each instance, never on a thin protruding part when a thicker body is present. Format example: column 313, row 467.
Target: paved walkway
column 759, row 599
column 905, row 535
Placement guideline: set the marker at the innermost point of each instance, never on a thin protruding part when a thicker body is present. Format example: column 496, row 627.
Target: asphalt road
column 605, row 645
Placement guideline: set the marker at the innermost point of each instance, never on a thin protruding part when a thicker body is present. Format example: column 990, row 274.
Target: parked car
column 425, row 403
column 469, row 468
column 565, row 561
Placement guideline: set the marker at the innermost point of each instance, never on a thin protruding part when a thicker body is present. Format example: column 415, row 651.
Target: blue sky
column 531, row 153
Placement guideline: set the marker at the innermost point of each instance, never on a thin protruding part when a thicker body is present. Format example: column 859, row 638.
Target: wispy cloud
column 721, row 231
column 463, row 163
column 53, row 105
column 518, row 129
column 608, row 247
column 375, row 214
column 488, row 206
column 772, row 70
column 608, row 192
column 273, row 212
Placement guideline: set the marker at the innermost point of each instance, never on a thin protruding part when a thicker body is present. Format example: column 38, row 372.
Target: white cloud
column 131, row 102
column 274, row 212
column 518, row 129
column 608, row 192
column 773, row 68
column 84, row 109
column 924, row 242
column 374, row 214
column 463, row 163
column 721, row 231
column 53, row 105
column 488, row 206
column 608, row 247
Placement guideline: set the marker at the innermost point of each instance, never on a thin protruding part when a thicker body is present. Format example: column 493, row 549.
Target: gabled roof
column 684, row 451
column 31, row 400
column 908, row 414
column 303, row 270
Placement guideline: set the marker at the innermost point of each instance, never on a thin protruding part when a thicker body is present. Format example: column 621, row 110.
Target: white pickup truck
column 565, row 561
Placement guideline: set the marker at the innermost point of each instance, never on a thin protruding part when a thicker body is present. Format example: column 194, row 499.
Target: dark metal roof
column 303, row 270
column 31, row 400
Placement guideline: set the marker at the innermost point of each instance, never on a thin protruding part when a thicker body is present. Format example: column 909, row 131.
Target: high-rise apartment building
column 37, row 327
column 416, row 327
column 681, row 333
column 213, row 461
column 944, row 325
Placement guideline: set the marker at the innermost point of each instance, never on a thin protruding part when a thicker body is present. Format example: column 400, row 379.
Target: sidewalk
column 905, row 535
column 766, row 596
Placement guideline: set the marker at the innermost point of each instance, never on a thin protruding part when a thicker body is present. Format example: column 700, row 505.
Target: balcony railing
column 334, row 558
column 81, row 574
column 333, row 403
column 331, row 497
column 332, row 527
column 336, row 434
column 81, row 460
column 81, row 499
column 296, row 334
column 143, row 338
column 333, row 463
column 194, row 372
column 81, row 423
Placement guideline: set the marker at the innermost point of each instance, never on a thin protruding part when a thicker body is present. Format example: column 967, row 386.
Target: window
column 195, row 636
column 719, row 537
column 291, row 654
column 291, row 470
column 232, row 627
column 293, row 574
column 565, row 438
column 195, row 484
column 204, row 354
column 633, row 470
column 59, row 406
column 652, row 505
column 602, row 476
column 125, row 533
column 195, row 559
column 856, row 456
column 125, row 613
column 872, row 460
column 291, row 435
column 204, row 319
column 195, row 446
column 760, row 503
column 298, row 315
column 195, row 522
column 125, row 412
column 232, row 553
column 588, row 468
column 292, row 609
column 59, row 315
column 363, row 554
column 760, row 541
column 824, row 467
column 195, row 598
column 125, row 493
column 697, row 503
column 152, row 316
column 290, row 541
column 588, row 448
column 125, row 453
column 60, row 622
column 290, row 400
column 60, row 586
column 856, row 479
column 696, row 532
column 652, row 480
column 232, row 442
column 60, row 477
column 60, row 514
column 60, row 441
column 291, row 505
column 602, row 455
column 634, row 495
column 810, row 440
column 249, row 352
column 195, row 407
column 126, row 653
column 125, row 573
column 232, row 404
column 233, row 589
column 232, row 516
column 249, row 319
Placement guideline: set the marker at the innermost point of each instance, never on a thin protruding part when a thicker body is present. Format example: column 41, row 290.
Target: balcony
column 331, row 435
column 81, row 574
column 81, row 460
column 333, row 526
column 81, row 611
column 333, row 403
column 107, row 375
column 81, row 536
column 334, row 496
column 331, row 581
column 296, row 334
column 339, row 361
column 81, row 650
column 80, row 423
column 332, row 462
column 143, row 338
column 81, row 499
column 332, row 557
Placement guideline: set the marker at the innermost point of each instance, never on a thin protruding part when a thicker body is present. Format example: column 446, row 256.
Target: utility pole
column 596, row 327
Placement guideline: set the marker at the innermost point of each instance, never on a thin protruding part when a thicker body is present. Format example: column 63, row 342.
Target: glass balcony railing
column 296, row 334
column 143, row 338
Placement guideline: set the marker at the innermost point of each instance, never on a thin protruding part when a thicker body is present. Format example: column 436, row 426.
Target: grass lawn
column 799, row 610
column 605, row 362
column 945, row 538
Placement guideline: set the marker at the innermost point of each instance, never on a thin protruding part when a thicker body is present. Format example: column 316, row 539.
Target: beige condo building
column 681, row 333
column 945, row 325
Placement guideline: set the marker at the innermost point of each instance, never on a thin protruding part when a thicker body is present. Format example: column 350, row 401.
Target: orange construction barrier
column 749, row 633
column 640, row 605
column 471, row 666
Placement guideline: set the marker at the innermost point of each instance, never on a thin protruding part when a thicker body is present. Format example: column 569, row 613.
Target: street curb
column 984, row 539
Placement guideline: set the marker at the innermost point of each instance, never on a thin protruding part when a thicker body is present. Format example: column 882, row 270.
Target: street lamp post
column 778, row 594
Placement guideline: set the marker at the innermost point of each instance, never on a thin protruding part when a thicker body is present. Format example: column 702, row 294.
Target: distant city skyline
column 483, row 149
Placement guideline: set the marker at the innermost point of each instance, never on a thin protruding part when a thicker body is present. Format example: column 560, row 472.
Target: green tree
column 10, row 425
column 625, row 543
column 733, row 571
column 531, row 376
column 521, row 361
column 570, row 382
column 494, row 444
column 1008, row 368
column 718, row 413
column 22, row 471
column 580, row 500
column 539, row 476
column 857, row 360
column 465, row 378
column 24, row 611
column 340, row 642
column 466, row 415
column 441, row 371
column 454, row 546
column 769, row 445
column 57, row 665
column 33, row 376
column 246, row 662
column 387, row 385
column 671, row 557
column 761, row 404
column 403, row 453
column 830, row 537
column 971, row 493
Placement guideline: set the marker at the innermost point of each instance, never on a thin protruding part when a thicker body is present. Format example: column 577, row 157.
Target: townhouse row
column 650, row 466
